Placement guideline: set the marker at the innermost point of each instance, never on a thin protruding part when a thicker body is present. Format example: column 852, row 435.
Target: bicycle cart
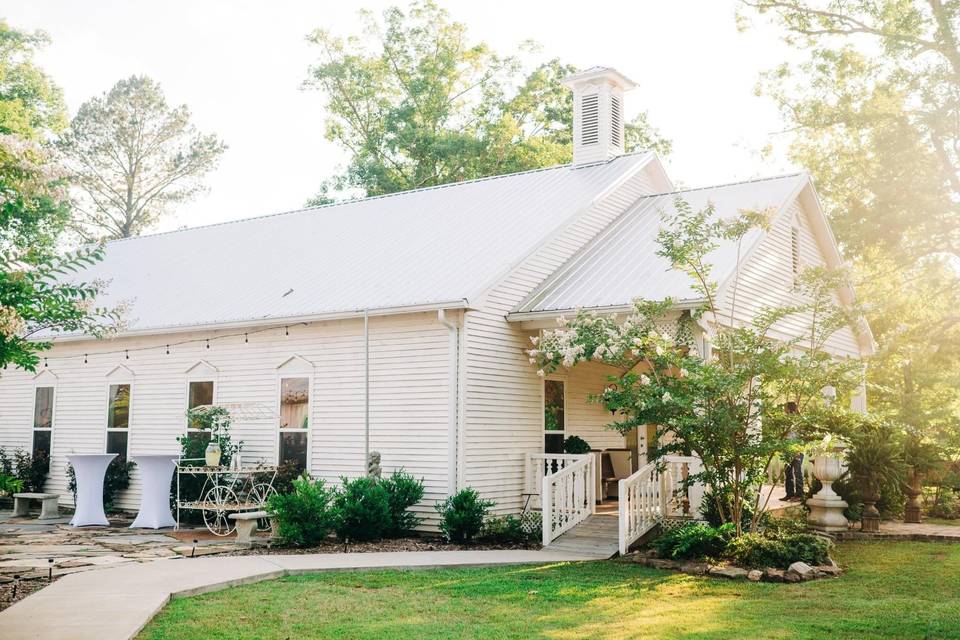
column 226, row 490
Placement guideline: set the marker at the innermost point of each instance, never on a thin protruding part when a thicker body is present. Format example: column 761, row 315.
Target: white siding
column 766, row 280
column 409, row 396
column 503, row 411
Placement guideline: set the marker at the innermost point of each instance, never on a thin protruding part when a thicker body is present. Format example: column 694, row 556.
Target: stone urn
column 826, row 507
column 870, row 518
column 911, row 511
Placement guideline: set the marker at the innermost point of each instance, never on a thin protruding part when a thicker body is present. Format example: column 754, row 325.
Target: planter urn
column 911, row 511
column 826, row 507
column 870, row 518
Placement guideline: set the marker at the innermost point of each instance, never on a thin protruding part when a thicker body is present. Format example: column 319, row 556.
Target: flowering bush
column 750, row 398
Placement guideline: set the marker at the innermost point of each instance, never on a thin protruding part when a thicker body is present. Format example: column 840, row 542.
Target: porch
column 580, row 512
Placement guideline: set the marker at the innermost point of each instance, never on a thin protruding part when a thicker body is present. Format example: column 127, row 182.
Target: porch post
column 546, row 511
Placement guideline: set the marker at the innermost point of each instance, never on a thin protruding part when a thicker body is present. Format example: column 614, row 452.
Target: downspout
column 453, row 366
column 366, row 392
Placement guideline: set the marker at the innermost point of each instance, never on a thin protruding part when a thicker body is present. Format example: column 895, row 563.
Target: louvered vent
column 616, row 122
column 795, row 254
column 590, row 119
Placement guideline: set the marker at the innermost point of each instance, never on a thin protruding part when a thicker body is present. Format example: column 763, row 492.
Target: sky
column 239, row 66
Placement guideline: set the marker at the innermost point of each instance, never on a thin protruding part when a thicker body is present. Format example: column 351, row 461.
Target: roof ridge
column 723, row 185
column 447, row 185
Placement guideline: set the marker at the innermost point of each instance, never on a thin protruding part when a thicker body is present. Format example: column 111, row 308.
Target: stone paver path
column 115, row 603
column 893, row 530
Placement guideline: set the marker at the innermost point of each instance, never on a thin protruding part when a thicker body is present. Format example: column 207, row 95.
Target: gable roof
column 440, row 246
column 621, row 263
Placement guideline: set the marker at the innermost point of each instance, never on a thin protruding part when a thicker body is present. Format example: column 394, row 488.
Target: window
column 553, row 418
column 118, row 419
column 42, row 423
column 199, row 394
column 294, row 420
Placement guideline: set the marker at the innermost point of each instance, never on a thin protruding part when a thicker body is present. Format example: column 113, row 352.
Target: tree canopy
column 874, row 112
column 415, row 103
column 31, row 105
column 132, row 156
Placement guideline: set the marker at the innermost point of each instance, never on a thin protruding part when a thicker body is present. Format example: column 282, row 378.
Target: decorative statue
column 373, row 465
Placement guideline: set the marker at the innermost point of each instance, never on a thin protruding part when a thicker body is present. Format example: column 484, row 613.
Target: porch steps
column 596, row 536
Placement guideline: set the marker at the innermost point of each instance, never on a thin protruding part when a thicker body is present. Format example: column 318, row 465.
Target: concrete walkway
column 115, row 604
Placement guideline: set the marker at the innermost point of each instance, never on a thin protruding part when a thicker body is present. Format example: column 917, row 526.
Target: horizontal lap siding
column 409, row 387
column 584, row 417
column 503, row 407
column 766, row 280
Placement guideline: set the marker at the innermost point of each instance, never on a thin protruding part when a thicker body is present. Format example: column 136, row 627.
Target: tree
column 39, row 286
column 730, row 409
column 132, row 156
column 31, row 106
column 416, row 104
column 875, row 110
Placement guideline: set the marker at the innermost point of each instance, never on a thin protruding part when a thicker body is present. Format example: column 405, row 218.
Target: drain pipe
column 366, row 392
column 453, row 348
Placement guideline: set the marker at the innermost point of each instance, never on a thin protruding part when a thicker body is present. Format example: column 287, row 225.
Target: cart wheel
column 218, row 503
column 259, row 495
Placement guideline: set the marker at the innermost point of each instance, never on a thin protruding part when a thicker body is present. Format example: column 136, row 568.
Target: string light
column 126, row 352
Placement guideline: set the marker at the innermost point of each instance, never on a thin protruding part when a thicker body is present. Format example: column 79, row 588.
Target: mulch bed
column 399, row 544
column 25, row 588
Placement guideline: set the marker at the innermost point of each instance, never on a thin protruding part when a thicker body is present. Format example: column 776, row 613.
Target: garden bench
column 49, row 504
column 247, row 524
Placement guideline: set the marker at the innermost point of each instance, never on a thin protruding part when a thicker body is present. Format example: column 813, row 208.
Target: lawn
column 890, row 590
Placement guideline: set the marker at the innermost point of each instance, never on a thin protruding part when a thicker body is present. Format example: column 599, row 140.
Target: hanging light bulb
column 208, row 344
column 126, row 354
column 168, row 349
column 245, row 338
column 286, row 331
column 84, row 358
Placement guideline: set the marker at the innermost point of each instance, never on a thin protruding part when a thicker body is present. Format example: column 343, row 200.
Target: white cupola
column 597, row 113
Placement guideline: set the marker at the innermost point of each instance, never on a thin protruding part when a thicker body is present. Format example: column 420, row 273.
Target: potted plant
column 921, row 457
column 874, row 460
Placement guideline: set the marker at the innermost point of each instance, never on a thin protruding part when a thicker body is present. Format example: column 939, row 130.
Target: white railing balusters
column 568, row 496
column 651, row 494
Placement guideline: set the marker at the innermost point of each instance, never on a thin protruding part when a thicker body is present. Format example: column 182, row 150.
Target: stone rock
column 771, row 574
column 732, row 573
column 831, row 570
column 754, row 575
column 791, row 576
column 695, row 568
column 802, row 569
column 205, row 550
column 662, row 564
column 650, row 553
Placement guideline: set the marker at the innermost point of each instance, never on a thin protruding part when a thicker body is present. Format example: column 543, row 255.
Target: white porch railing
column 540, row 465
column 651, row 494
column 569, row 496
column 775, row 471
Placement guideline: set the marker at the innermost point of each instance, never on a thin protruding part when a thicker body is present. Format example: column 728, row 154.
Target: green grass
column 890, row 590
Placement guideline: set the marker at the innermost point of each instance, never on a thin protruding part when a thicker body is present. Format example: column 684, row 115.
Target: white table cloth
column 90, row 470
column 156, row 471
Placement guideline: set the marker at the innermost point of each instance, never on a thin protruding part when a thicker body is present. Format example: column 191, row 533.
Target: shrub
column 711, row 512
column 287, row 472
column 694, row 540
column 754, row 550
column 403, row 491
column 946, row 506
column 576, row 445
column 507, row 530
column 362, row 510
column 10, row 485
column 462, row 514
column 31, row 471
column 303, row 516
column 116, row 479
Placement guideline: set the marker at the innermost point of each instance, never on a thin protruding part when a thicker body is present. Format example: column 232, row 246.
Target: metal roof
column 621, row 264
column 435, row 246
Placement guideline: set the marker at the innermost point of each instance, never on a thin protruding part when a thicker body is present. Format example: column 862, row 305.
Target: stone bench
column 247, row 524
column 49, row 504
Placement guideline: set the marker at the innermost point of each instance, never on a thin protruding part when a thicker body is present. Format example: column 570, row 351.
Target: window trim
column 44, row 384
column 293, row 372
column 544, row 432
column 111, row 382
column 186, row 397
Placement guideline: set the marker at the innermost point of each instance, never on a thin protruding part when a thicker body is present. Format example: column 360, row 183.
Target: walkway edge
column 117, row 603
